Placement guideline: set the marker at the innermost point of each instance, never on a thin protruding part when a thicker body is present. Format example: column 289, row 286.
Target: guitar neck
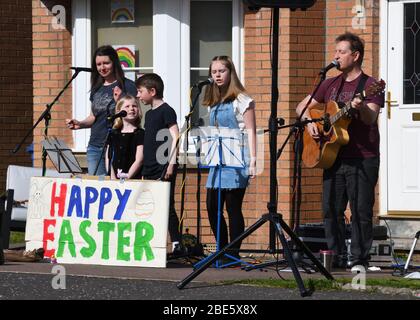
column 344, row 110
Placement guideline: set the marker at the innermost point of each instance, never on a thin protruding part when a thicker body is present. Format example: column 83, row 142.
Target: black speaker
column 1, row 248
column 2, row 205
column 292, row 4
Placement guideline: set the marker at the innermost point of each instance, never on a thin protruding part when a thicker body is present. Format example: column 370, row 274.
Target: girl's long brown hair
column 212, row 95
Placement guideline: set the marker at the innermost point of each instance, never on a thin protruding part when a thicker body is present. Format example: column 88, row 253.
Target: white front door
column 402, row 109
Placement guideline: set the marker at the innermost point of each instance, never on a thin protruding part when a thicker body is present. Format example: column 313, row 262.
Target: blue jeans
column 93, row 155
column 354, row 181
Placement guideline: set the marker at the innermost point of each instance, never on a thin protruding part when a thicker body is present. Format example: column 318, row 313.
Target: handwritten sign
column 99, row 222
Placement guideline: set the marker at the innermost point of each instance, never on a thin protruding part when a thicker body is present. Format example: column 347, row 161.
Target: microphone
column 327, row 123
column 333, row 64
column 199, row 123
column 78, row 69
column 120, row 114
column 203, row 83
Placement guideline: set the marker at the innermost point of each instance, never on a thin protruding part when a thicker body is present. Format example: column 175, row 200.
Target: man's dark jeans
column 354, row 181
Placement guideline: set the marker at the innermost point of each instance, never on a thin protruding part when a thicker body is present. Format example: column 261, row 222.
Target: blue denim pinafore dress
column 232, row 178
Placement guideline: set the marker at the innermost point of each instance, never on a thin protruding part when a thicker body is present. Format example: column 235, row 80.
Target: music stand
column 222, row 148
column 61, row 156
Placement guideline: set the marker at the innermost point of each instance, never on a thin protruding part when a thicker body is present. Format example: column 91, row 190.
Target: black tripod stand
column 296, row 130
column 192, row 249
column 276, row 219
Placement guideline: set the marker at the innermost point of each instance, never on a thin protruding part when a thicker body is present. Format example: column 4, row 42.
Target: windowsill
column 393, row 216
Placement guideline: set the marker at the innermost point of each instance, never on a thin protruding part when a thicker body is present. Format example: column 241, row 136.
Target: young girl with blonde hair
column 126, row 147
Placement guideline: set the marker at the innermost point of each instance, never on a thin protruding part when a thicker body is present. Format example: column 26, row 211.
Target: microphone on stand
column 203, row 83
column 198, row 123
column 333, row 64
column 78, row 69
column 120, row 114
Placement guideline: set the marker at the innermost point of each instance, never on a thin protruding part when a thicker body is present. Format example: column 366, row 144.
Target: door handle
column 390, row 103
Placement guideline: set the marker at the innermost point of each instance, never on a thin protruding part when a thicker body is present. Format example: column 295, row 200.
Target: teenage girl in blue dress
column 230, row 107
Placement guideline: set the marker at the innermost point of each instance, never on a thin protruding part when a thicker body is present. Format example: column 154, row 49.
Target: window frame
column 171, row 42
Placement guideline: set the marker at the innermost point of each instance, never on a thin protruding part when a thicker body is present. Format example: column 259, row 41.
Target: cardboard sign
column 99, row 222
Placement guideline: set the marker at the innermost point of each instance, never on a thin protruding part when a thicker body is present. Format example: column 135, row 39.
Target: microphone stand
column 108, row 139
column 46, row 115
column 297, row 129
column 322, row 75
column 198, row 249
column 107, row 142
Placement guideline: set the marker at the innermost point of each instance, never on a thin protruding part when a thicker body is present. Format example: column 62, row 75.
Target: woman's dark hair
column 96, row 80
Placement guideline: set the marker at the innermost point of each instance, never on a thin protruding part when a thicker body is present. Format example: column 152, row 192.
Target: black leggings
column 233, row 199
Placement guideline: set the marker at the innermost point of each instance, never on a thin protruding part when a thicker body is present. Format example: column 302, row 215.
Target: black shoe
column 179, row 250
column 339, row 262
column 357, row 262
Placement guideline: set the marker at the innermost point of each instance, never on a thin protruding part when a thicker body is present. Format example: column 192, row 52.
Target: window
column 132, row 40
column 210, row 35
column 137, row 34
column 174, row 38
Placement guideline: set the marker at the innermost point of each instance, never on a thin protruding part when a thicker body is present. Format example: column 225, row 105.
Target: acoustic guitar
column 333, row 134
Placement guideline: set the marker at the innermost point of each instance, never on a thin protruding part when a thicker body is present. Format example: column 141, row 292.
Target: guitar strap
column 361, row 84
column 359, row 89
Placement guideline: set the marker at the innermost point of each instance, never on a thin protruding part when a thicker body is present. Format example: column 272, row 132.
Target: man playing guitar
column 354, row 173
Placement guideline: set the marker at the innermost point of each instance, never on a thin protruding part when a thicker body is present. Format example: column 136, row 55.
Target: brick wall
column 306, row 57
column 257, row 82
column 15, row 83
column 342, row 16
column 301, row 55
column 51, row 63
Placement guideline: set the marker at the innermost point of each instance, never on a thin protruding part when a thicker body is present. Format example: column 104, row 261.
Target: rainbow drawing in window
column 127, row 56
column 122, row 11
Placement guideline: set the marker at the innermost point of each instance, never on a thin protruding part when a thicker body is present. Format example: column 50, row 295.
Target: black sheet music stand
column 61, row 156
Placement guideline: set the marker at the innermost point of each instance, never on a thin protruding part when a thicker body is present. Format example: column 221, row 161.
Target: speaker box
column 292, row 4
column 313, row 235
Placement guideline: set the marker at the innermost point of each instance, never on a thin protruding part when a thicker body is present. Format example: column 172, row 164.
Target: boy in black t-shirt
column 160, row 151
